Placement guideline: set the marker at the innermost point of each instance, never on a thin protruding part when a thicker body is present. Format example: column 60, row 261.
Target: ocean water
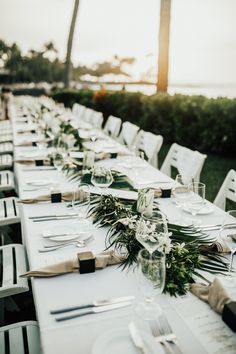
column 211, row 91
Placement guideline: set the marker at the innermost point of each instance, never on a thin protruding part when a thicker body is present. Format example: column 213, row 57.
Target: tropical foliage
column 187, row 255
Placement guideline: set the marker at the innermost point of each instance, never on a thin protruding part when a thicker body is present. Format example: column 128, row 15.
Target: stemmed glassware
column 150, row 274
column 151, row 229
column 81, row 201
column 101, row 177
column 196, row 198
column 225, row 235
column 58, row 160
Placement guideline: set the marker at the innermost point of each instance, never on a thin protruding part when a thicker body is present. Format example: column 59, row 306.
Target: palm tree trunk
column 69, row 45
column 163, row 56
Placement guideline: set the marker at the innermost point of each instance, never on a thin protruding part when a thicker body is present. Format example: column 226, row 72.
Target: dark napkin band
column 165, row 193
column 86, row 262
column 229, row 315
column 39, row 162
column 56, row 197
column 34, row 143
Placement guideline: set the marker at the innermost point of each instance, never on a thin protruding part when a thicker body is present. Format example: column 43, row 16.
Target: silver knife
column 216, row 227
column 94, row 310
column 136, row 337
column 52, row 216
column 94, row 304
column 57, row 218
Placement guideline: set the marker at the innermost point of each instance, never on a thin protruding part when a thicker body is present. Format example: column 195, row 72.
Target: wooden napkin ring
column 114, row 155
column 34, row 143
column 56, row 197
column 39, row 162
column 86, row 262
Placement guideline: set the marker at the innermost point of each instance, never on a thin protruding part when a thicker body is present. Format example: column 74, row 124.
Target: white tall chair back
column 227, row 190
column 6, row 181
column 78, row 110
column 20, row 338
column 189, row 163
column 150, row 144
column 6, row 161
column 13, row 258
column 87, row 115
column 9, row 212
column 6, row 148
column 128, row 134
column 97, row 120
column 112, row 126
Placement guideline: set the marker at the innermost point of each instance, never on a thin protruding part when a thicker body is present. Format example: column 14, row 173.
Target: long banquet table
column 198, row 328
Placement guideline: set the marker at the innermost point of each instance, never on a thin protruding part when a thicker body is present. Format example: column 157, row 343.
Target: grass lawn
column 213, row 172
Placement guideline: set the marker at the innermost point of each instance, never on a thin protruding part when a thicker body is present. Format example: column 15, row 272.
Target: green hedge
column 207, row 125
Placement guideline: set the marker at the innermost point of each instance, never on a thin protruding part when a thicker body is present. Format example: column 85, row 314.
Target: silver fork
column 167, row 330
column 159, row 335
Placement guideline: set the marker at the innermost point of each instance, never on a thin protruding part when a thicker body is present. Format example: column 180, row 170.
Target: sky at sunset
column 202, row 42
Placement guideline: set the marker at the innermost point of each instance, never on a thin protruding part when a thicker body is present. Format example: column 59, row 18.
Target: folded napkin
column 217, row 246
column 31, row 161
column 214, row 294
column 65, row 196
column 102, row 260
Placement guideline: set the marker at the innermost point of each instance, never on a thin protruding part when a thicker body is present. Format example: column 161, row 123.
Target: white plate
column 38, row 182
column 207, row 209
column 118, row 341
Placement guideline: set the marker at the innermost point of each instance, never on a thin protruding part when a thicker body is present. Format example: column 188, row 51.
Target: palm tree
column 163, row 56
column 69, row 45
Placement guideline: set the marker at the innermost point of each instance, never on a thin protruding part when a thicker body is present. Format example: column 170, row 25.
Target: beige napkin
column 214, row 294
column 66, row 197
column 217, row 246
column 32, row 161
column 102, row 260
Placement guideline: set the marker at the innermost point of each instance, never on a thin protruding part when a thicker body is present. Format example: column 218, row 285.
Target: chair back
column 97, row 120
column 112, row 126
column 150, row 144
column 13, row 259
column 87, row 115
column 9, row 212
column 6, row 148
column 6, row 161
column 227, row 190
column 189, row 163
column 6, row 181
column 128, row 134
column 20, row 338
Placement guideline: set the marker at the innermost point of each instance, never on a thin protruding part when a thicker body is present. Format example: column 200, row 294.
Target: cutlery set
column 92, row 308
column 53, row 217
column 76, row 243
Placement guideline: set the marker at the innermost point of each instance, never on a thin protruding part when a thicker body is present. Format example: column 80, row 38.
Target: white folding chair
column 14, row 263
column 128, row 134
column 6, row 161
column 96, row 120
column 6, row 181
column 227, row 190
column 6, row 148
column 189, row 163
column 150, row 144
column 6, row 137
column 20, row 338
column 112, row 126
column 87, row 115
column 78, row 110
column 9, row 212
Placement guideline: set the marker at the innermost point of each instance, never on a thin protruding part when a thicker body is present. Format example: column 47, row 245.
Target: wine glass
column 58, row 160
column 81, row 200
column 151, row 229
column 225, row 235
column 196, row 198
column 101, row 177
column 150, row 275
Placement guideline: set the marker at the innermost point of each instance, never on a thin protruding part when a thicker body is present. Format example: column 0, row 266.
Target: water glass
column 197, row 197
column 58, row 160
column 150, row 275
column 81, row 200
column 101, row 177
column 227, row 234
